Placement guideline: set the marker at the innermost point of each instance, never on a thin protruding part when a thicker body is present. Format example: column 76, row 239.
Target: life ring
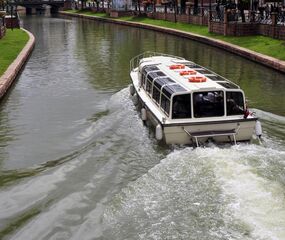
column 197, row 79
column 177, row 66
column 188, row 72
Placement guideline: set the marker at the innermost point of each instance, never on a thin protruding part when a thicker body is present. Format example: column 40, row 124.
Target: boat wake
column 211, row 193
column 118, row 183
column 229, row 192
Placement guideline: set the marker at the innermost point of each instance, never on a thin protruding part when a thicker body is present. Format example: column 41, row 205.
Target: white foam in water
column 269, row 116
column 119, row 106
column 210, row 193
column 256, row 200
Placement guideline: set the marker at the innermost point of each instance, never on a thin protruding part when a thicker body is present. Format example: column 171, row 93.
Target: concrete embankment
column 14, row 69
column 246, row 53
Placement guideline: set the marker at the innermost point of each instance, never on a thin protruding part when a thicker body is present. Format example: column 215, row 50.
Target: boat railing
column 135, row 61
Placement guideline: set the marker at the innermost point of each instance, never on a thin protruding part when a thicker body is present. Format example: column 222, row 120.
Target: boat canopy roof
column 176, row 75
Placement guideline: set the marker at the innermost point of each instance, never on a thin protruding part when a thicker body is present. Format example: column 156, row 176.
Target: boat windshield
column 208, row 104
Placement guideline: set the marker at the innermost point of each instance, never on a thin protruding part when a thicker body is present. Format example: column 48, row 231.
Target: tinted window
column 143, row 79
column 208, row 104
column 160, row 82
column 153, row 75
column 149, row 68
column 181, row 106
column 156, row 94
column 145, row 70
column 165, row 103
column 174, row 88
column 235, row 103
column 150, row 78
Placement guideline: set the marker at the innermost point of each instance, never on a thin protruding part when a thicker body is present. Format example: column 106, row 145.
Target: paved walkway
column 249, row 54
column 13, row 70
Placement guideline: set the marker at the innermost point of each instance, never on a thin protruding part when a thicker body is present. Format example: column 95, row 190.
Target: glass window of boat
column 160, row 82
column 165, row 104
column 156, row 94
column 150, row 78
column 146, row 70
column 157, row 85
column 170, row 89
column 166, row 93
column 181, row 106
column 208, row 104
column 235, row 103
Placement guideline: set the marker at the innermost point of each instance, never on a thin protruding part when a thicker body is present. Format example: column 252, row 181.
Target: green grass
column 261, row 44
column 10, row 46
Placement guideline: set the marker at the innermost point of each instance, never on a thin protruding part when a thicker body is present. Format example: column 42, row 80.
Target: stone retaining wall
column 184, row 18
column 251, row 55
column 116, row 14
column 13, row 70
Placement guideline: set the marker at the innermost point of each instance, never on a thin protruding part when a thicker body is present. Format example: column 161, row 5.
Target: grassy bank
column 261, row 44
column 10, row 46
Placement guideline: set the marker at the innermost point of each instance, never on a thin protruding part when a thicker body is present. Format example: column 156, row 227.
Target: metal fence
column 247, row 16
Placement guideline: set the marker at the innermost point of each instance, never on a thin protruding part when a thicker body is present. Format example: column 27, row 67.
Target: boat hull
column 180, row 133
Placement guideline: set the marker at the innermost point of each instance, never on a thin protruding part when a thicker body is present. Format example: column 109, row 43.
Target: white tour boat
column 187, row 103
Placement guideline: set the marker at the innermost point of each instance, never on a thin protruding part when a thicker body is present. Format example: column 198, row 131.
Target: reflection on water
column 76, row 161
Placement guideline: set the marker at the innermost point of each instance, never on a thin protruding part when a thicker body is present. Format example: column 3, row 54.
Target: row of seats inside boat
column 175, row 101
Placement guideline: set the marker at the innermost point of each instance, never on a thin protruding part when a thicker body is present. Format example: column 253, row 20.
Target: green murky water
column 77, row 163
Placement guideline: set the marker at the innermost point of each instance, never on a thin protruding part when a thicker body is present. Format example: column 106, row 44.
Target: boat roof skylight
column 153, row 75
column 160, row 82
column 168, row 90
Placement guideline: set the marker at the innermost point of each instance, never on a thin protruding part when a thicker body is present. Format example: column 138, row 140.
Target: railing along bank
column 219, row 19
column 234, row 23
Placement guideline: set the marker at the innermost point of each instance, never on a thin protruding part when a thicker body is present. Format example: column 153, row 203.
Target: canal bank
column 14, row 69
column 246, row 53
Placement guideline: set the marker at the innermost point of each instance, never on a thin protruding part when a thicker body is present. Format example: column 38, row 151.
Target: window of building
column 181, row 106
column 208, row 104
column 235, row 103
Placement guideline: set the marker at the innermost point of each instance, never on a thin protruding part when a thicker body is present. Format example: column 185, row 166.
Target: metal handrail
column 134, row 62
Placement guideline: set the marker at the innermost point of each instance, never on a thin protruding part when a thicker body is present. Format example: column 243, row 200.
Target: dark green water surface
column 76, row 161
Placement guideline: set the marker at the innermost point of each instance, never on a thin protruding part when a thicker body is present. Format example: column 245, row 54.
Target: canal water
column 76, row 161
